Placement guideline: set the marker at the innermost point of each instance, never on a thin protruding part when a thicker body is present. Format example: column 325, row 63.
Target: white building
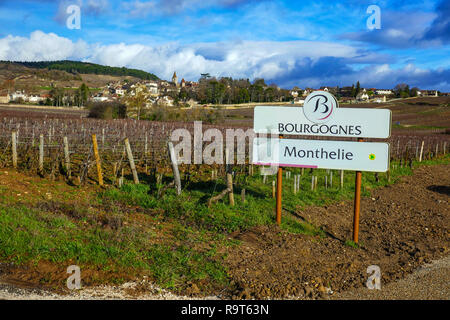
column 382, row 92
column 152, row 88
column 18, row 95
column 362, row 95
column 294, row 93
column 99, row 99
column 120, row 91
column 35, row 98
column 306, row 92
column 166, row 101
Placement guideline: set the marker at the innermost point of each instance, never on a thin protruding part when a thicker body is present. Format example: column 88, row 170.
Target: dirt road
column 429, row 282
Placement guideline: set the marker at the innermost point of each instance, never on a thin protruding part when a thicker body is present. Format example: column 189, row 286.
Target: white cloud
column 41, row 46
column 289, row 63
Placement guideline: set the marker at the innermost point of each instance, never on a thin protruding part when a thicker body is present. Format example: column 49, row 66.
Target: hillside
column 15, row 71
column 76, row 67
column 37, row 76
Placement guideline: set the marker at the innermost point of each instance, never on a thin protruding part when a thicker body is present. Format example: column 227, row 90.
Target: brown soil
column 50, row 276
column 401, row 227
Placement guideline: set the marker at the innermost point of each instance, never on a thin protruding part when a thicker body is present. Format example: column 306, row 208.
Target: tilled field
column 402, row 227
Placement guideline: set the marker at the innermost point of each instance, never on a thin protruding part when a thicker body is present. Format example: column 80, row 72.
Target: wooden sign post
column 357, row 203
column 279, row 192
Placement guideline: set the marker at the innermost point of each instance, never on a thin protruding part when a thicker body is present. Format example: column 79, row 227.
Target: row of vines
column 148, row 141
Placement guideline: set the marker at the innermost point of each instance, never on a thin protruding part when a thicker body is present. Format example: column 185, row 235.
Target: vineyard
column 39, row 147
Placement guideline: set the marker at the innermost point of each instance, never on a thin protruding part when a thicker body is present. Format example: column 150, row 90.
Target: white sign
column 322, row 154
column 320, row 107
column 343, row 122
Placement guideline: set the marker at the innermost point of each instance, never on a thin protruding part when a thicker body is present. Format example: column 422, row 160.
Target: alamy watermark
column 73, row 21
column 216, row 145
column 374, row 20
column 74, row 281
column 374, row 280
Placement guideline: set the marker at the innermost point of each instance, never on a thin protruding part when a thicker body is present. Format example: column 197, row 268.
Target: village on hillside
column 207, row 91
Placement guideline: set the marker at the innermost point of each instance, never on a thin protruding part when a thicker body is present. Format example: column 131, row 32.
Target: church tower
column 175, row 78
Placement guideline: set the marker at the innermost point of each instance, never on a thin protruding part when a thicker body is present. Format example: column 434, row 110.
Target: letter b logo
column 320, row 106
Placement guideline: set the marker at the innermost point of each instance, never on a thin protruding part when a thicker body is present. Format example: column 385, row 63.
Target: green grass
column 352, row 244
column 173, row 267
column 259, row 207
column 28, row 236
column 192, row 207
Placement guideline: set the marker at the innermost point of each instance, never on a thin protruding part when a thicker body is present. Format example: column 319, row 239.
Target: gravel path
column 127, row 291
column 430, row 282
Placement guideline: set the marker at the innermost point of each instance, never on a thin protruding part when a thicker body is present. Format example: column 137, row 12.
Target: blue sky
column 290, row 43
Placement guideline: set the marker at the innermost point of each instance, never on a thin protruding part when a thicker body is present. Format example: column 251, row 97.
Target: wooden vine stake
column 176, row 172
column 421, row 151
column 97, row 160
column 114, row 172
column 243, row 195
column 67, row 156
column 121, row 179
column 41, row 154
column 295, row 184
column 14, row 148
column 229, row 177
column 131, row 160
column 274, row 193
